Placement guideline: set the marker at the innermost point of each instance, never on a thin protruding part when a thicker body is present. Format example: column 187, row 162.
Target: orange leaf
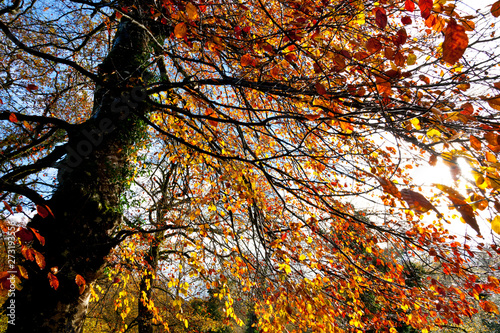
column 475, row 143
column 180, row 30
column 80, row 281
column 312, row 116
column 40, row 238
column 490, row 157
column 455, row 42
column 40, row 259
column 389, row 187
column 54, row 282
column 495, row 9
column 192, row 12
column 22, row 271
column 467, row 109
column 461, row 206
column 19, row 209
column 433, row 160
column 13, row 118
column 489, row 306
column 425, row 7
column 247, row 60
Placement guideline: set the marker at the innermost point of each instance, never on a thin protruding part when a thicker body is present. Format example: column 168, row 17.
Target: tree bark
column 86, row 204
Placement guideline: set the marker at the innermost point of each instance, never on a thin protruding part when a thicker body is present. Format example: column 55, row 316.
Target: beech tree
column 275, row 116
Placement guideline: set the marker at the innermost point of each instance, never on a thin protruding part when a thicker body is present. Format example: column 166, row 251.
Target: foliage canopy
column 240, row 143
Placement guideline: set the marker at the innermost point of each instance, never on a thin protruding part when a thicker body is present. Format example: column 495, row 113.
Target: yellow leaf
column 495, row 224
column 494, row 103
column 412, row 59
column 302, row 257
column 416, row 123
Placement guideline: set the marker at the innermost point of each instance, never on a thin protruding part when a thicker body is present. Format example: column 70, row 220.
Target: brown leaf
column 320, row 89
column 417, row 201
column 495, row 9
column 461, row 206
column 380, row 17
column 373, row 45
column 42, row 211
column 455, row 42
column 494, row 102
column 30, row 87
column 192, row 12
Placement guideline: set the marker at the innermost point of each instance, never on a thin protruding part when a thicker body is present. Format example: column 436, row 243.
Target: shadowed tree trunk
column 86, row 203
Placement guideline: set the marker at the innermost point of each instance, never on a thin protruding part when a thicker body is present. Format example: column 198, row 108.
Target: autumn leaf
column 494, row 102
column 475, row 143
column 53, row 281
column 409, row 5
column 389, row 187
column 24, row 235
column 417, row 201
column 495, row 224
column 30, row 87
column 7, row 206
column 180, row 30
column 461, row 206
column 12, row 118
column 192, row 12
column 425, row 7
column 380, row 17
column 80, row 281
column 39, row 258
column 455, row 42
column 373, row 45
column 247, row 60
column 495, row 9
column 40, row 238
column 320, row 88
column 489, row 306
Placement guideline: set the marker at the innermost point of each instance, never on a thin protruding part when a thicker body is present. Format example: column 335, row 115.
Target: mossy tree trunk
column 86, row 204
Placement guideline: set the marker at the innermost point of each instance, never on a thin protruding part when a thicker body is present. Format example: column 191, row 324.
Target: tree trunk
column 86, row 204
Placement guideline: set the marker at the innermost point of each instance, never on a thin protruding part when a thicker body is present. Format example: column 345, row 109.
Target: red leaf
column 409, row 5
column 455, row 42
column 13, row 118
column 7, row 206
column 24, row 235
column 54, row 282
column 380, row 17
column 425, row 7
column 30, row 87
column 406, row 20
column 467, row 109
column 19, row 209
column 42, row 211
column 401, row 37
